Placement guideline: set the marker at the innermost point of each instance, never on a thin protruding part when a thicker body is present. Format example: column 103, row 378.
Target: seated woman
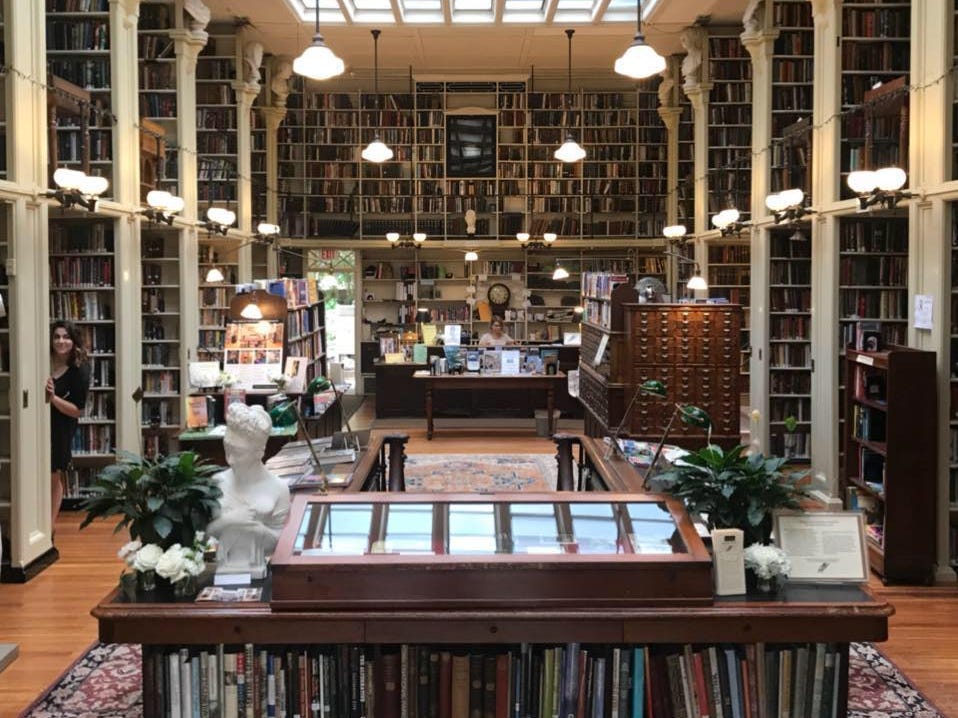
column 495, row 337
column 255, row 504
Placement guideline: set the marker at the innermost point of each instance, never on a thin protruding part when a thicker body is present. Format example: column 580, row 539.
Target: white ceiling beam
column 348, row 11
column 447, row 11
column 397, row 11
column 550, row 10
column 499, row 7
column 598, row 10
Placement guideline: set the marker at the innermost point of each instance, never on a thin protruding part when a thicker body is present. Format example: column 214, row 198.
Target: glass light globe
column 560, row 273
column 318, row 62
column 697, row 282
column 733, row 214
column 65, row 178
column 549, row 237
column 377, row 151
column 890, row 179
column 93, row 185
column 792, row 197
column 721, row 220
column 158, row 199
column 176, row 204
column 419, row 237
column 570, row 151
column 674, row 231
column 775, row 202
column 214, row 275
column 523, row 237
column 862, row 181
column 267, row 229
column 392, row 237
column 639, row 60
column 472, row 256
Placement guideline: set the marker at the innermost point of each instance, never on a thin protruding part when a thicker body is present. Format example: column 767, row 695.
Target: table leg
column 550, row 405
column 428, row 411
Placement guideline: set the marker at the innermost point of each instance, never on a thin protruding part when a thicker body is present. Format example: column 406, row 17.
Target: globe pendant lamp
column 376, row 151
column 639, row 59
column 570, row 151
column 318, row 62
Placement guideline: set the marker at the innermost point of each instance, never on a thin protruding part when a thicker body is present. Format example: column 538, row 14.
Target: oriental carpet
column 481, row 473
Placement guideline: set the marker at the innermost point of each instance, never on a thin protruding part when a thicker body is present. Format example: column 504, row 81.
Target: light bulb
column 674, row 231
column 392, row 237
column 792, row 197
column 318, row 62
column 419, row 237
column 158, row 199
column 523, row 237
column 175, row 204
column 93, row 185
column 560, row 273
column 549, row 237
column 221, row 216
column 776, row 202
column 472, row 256
column 214, row 275
column 252, row 311
column 570, row 151
column 890, row 179
column 721, row 220
column 732, row 214
column 862, row 181
column 267, row 229
column 697, row 282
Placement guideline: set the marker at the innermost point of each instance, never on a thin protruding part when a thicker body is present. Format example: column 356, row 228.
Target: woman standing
column 66, row 393
column 496, row 336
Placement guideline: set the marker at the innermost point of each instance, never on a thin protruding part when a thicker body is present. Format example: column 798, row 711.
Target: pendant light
column 639, row 59
column 570, row 151
column 318, row 62
column 377, row 150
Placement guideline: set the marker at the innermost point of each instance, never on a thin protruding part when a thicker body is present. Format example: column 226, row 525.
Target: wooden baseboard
column 8, row 654
column 22, row 574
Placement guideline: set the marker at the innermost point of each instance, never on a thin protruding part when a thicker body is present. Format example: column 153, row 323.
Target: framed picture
column 823, row 546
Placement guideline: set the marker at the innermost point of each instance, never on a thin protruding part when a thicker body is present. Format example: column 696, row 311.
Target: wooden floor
column 49, row 616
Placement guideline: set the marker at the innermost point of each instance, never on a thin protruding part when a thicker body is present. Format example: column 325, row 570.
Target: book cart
column 418, row 605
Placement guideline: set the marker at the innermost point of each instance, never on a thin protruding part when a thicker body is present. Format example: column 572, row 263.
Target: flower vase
column 757, row 586
column 128, row 586
column 184, row 588
column 146, row 581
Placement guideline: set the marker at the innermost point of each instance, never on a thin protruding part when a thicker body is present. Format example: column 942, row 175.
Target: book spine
column 173, row 662
column 503, row 684
column 625, row 680
column 598, row 689
column 616, row 677
column 570, row 680
column 489, row 686
column 475, row 685
column 186, row 684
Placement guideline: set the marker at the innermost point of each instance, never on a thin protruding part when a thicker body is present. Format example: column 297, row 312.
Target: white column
column 760, row 42
column 124, row 102
column 929, row 240
column 273, row 117
column 825, row 166
column 29, row 301
column 245, row 94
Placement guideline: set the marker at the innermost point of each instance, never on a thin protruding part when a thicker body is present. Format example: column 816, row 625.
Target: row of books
column 873, row 270
column 571, row 680
column 888, row 333
column 784, row 327
column 81, row 271
column 298, row 293
column 81, row 306
column 790, row 356
column 787, row 299
column 868, row 423
column 93, row 439
column 790, row 383
column 873, row 303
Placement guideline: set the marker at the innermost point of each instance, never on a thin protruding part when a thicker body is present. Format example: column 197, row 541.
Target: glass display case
column 517, row 550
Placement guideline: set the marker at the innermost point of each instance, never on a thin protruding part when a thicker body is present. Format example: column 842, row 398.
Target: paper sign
column 510, row 361
column 924, row 304
column 452, row 335
column 600, row 352
column 823, row 545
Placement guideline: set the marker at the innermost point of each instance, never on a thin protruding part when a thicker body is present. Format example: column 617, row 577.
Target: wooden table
column 498, row 382
column 208, row 442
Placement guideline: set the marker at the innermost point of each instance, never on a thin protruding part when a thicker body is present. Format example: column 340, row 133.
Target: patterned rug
column 482, row 473
column 105, row 683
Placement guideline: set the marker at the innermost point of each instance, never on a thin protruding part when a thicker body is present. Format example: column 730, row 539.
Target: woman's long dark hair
column 78, row 355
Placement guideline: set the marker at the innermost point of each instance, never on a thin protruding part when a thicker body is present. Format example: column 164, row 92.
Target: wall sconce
column 472, row 256
column 265, row 232
column 397, row 240
column 786, row 206
column 528, row 242
column 879, row 187
column 219, row 220
column 727, row 222
column 162, row 206
column 77, row 188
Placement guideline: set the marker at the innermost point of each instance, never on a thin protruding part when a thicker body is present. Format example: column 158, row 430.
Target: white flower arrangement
column 279, row 380
column 128, row 551
column 227, row 379
column 768, row 562
column 178, row 563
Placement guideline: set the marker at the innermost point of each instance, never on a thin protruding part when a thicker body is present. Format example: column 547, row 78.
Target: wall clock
column 499, row 295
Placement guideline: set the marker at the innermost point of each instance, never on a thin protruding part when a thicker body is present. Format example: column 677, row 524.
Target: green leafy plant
column 791, row 423
column 733, row 489
column 164, row 501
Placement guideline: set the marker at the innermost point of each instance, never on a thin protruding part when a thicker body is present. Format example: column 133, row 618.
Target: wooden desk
column 498, row 382
column 208, row 442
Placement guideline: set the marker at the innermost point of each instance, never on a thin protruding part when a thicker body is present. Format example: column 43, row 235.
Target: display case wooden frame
column 442, row 580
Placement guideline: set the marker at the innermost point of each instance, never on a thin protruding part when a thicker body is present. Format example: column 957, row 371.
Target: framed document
column 823, row 546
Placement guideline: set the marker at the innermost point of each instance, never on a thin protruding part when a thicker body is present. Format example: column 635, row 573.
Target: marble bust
column 255, row 504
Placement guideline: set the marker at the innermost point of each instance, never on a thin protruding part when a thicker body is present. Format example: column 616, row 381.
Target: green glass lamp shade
column 694, row 416
column 283, row 414
column 318, row 383
column 654, row 387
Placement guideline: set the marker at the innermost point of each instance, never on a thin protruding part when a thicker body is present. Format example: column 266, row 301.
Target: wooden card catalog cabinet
column 468, row 551
column 694, row 349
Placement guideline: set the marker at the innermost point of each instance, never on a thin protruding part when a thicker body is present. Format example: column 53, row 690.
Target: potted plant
column 732, row 489
column 163, row 501
column 790, row 438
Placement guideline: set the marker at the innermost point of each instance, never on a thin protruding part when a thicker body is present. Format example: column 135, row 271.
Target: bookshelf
column 953, row 396
column 386, row 188
column 305, row 332
column 82, row 290
column 162, row 348
column 792, row 93
column 3, row 105
column 78, row 51
column 216, row 120
column 214, row 297
column 729, row 126
column 7, row 407
column 729, row 277
column 875, row 49
column 685, row 189
column 790, row 345
column 890, row 457
column 157, row 82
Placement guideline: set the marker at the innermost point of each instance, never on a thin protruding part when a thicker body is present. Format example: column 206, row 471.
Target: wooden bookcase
column 790, row 342
column 3, row 104
column 792, row 93
column 8, row 449
column 78, row 51
column 694, row 350
column 157, row 83
column 214, row 297
column 602, row 384
column 729, row 125
column 953, row 395
column 216, row 120
column 82, row 290
column 163, row 350
column 685, row 187
column 876, row 48
column 730, row 277
column 891, row 438
column 873, row 285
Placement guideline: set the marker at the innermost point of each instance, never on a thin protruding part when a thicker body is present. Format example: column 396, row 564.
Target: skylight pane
column 372, row 4
column 523, row 5
column 421, row 5
column 472, row 5
column 566, row 5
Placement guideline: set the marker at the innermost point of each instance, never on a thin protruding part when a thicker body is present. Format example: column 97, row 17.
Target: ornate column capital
column 188, row 44
column 273, row 116
column 670, row 117
column 246, row 92
column 130, row 10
